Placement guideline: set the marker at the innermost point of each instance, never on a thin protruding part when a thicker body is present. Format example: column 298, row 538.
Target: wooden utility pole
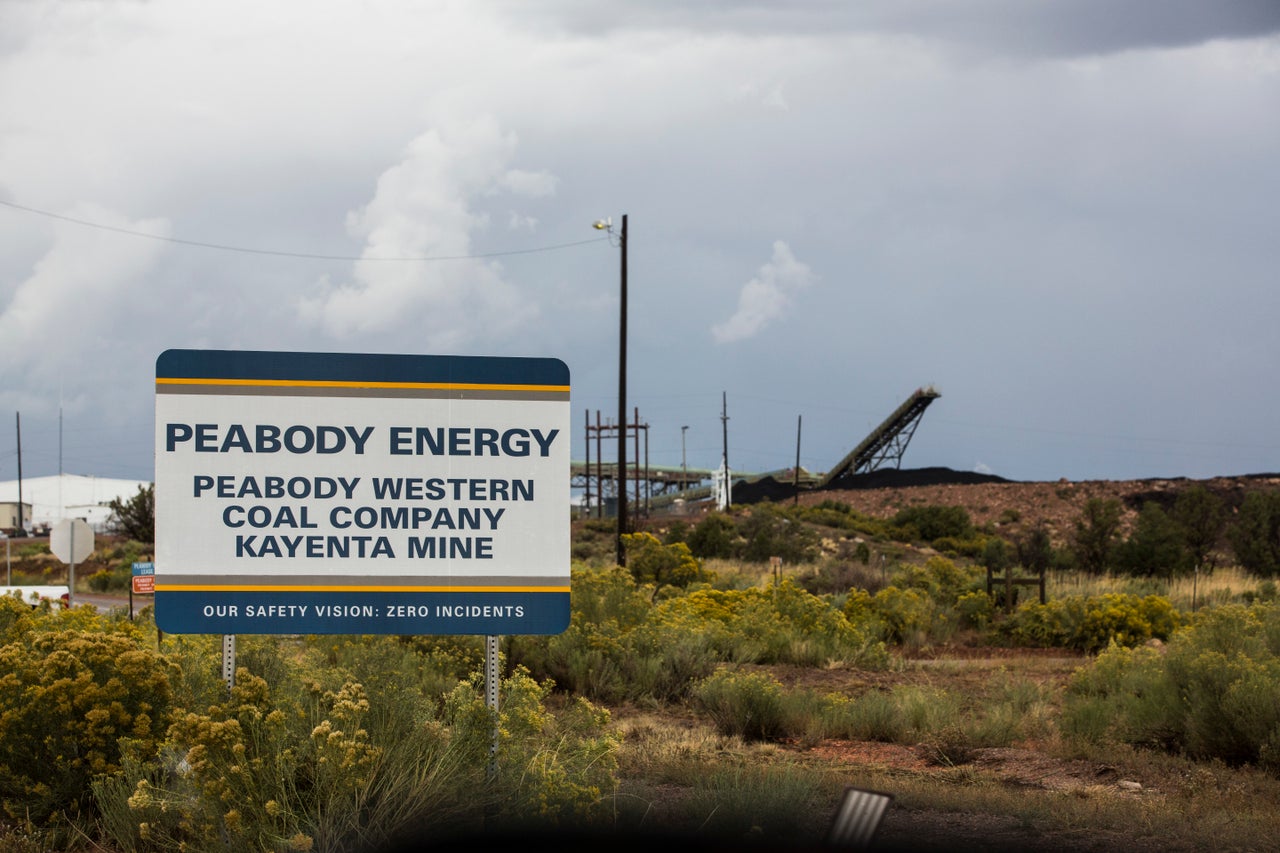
column 724, row 423
column 622, row 401
column 796, row 479
column 22, row 524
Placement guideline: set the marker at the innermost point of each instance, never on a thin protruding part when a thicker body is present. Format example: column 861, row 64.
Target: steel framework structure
column 887, row 441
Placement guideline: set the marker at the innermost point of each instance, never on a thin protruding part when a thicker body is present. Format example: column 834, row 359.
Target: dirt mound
column 777, row 491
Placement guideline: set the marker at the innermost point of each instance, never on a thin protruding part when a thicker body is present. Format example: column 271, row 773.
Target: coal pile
column 896, row 478
column 777, row 491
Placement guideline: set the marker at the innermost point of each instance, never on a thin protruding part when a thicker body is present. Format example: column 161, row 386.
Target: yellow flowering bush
column 68, row 696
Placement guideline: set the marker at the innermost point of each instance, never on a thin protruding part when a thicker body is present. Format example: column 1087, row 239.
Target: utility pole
column 796, row 480
column 22, row 524
column 684, row 462
column 724, row 423
column 606, row 225
column 622, row 400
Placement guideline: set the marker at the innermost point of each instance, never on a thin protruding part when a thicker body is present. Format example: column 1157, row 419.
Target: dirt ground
column 1028, row 768
column 1012, row 509
column 1015, row 507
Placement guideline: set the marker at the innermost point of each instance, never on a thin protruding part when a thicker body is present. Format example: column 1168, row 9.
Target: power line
column 225, row 248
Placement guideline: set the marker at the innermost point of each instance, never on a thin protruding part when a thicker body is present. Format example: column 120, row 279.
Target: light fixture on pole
column 607, row 226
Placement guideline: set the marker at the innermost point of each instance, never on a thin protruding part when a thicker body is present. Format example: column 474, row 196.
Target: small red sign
column 144, row 584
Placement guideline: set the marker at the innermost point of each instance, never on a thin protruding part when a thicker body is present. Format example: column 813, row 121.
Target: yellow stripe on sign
column 182, row 587
column 327, row 383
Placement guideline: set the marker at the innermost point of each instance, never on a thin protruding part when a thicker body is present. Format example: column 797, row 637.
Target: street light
column 683, row 462
column 607, row 226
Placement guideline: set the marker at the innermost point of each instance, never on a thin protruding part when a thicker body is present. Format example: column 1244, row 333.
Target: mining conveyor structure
column 886, row 442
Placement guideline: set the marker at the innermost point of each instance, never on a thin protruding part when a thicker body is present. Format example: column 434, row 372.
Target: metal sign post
column 491, row 700
column 229, row 661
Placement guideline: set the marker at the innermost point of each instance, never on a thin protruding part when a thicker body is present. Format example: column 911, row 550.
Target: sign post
column 320, row 493
column 69, row 540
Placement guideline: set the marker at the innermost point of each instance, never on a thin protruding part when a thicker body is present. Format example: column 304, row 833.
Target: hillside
column 1012, row 507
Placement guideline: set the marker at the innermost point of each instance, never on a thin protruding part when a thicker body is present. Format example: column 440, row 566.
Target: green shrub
column 997, row 555
column 1255, row 535
column 1124, row 696
column 935, row 522
column 27, row 550
column 748, row 705
column 1035, row 549
column 128, row 551
column 904, row 714
column 713, row 537
column 1214, row 693
column 840, row 515
column 1094, row 538
column 117, row 578
column 940, row 578
column 769, row 532
column 873, row 715
column 596, row 542
column 1155, row 548
column 974, row 546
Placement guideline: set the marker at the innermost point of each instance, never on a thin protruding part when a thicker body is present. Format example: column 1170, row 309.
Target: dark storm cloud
column 1011, row 27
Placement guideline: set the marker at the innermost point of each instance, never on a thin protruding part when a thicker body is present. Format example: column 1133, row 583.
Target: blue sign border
column 240, row 611
column 362, row 367
column 366, row 612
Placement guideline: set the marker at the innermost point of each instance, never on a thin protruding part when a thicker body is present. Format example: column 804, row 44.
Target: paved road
column 113, row 601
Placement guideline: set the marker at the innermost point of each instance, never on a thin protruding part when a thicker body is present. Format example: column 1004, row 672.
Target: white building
column 70, row 496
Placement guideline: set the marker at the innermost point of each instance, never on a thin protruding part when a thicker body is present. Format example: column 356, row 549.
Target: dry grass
column 1037, row 793
column 1185, row 593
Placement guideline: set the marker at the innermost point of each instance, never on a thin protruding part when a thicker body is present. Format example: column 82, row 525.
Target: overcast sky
column 1061, row 214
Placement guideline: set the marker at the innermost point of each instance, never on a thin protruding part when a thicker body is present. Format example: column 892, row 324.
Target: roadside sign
column 144, row 578
column 71, row 540
column 324, row 493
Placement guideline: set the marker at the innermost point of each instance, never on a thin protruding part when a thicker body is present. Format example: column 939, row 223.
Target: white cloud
column 766, row 297
column 424, row 207
column 57, row 315
column 517, row 221
column 533, row 184
column 772, row 95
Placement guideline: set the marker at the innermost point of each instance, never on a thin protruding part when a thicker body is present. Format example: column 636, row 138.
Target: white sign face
column 71, row 540
column 331, row 493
